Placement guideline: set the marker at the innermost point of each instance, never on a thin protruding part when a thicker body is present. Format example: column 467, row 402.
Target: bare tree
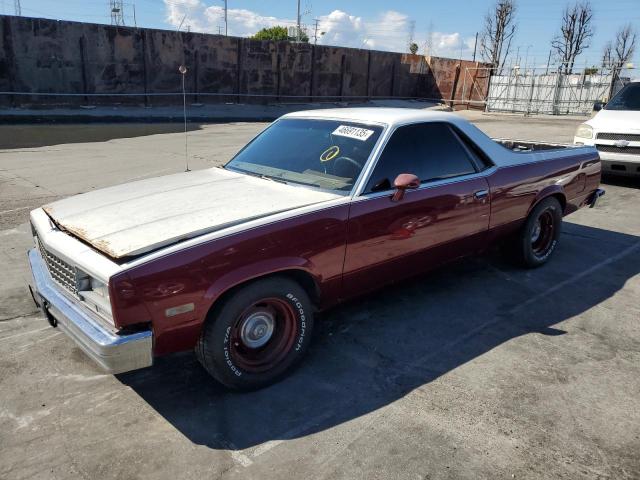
column 607, row 53
column 575, row 33
column 497, row 33
column 625, row 45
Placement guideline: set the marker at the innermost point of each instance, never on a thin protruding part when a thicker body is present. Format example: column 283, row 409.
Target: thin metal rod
column 184, row 107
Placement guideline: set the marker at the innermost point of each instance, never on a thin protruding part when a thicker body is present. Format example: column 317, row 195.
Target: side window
column 431, row 151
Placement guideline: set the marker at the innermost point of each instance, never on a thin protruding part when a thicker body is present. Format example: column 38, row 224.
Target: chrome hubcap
column 535, row 234
column 257, row 329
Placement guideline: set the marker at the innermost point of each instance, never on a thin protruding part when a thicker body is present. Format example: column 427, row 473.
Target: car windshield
column 627, row 99
column 326, row 154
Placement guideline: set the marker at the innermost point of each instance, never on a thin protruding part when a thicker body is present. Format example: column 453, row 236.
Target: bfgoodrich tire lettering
column 257, row 334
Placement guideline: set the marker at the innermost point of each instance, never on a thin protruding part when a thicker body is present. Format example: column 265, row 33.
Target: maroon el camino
column 320, row 207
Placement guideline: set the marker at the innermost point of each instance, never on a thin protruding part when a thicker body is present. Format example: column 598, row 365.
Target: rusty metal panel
column 41, row 55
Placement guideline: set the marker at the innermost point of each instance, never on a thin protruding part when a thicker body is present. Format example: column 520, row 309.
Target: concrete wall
column 48, row 56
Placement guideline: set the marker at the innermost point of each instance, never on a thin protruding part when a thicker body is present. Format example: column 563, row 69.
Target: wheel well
column 562, row 199
column 302, row 278
column 558, row 196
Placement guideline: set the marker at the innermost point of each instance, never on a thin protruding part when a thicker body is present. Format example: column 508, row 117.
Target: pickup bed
column 322, row 206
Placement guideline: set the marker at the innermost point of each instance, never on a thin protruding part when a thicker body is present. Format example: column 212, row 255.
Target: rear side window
column 431, row 151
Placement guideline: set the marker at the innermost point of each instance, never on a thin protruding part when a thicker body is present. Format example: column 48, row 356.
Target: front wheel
column 539, row 236
column 257, row 335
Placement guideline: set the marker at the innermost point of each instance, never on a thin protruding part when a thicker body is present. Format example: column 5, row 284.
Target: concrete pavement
column 477, row 370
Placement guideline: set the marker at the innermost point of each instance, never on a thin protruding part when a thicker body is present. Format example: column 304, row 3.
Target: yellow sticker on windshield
column 330, row 153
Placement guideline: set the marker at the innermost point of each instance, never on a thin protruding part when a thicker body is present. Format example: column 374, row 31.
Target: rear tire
column 257, row 335
column 539, row 236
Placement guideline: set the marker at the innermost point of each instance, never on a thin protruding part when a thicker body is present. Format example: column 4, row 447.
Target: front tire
column 257, row 335
column 540, row 234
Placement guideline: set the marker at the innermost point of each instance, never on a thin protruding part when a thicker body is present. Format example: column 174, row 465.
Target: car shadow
column 621, row 181
column 372, row 352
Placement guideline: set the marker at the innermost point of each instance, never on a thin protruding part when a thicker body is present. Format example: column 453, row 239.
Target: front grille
column 630, row 137
column 63, row 273
column 614, row 149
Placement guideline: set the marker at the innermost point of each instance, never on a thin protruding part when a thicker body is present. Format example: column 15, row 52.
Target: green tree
column 413, row 48
column 279, row 34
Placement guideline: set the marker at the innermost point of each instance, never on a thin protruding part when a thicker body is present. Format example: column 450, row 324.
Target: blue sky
column 378, row 24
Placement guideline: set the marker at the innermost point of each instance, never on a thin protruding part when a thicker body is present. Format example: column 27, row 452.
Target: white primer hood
column 135, row 218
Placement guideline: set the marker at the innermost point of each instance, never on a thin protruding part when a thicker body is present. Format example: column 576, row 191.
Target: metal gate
column 549, row 92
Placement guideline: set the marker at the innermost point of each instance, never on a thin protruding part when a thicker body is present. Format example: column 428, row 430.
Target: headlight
column 95, row 294
column 584, row 131
column 100, row 288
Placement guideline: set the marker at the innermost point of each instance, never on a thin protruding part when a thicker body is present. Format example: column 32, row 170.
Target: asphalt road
column 477, row 370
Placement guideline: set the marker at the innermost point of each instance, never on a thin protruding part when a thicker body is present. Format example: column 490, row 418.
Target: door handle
column 481, row 194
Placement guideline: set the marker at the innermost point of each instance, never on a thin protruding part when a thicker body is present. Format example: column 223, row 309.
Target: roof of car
column 389, row 116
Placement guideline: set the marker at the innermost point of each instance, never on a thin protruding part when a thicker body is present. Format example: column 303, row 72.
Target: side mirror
column 597, row 106
column 403, row 182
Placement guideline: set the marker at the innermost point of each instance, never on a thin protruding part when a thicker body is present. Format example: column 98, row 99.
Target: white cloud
column 448, row 45
column 198, row 17
column 389, row 31
column 340, row 28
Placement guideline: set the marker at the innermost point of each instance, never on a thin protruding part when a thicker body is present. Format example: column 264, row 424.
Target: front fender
column 255, row 270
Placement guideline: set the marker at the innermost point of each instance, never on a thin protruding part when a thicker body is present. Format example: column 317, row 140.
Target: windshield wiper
column 261, row 175
column 273, row 179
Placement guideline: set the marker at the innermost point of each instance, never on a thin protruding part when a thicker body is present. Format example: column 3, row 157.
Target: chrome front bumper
column 113, row 352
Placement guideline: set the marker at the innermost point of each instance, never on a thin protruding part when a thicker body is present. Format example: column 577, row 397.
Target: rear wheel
column 258, row 334
column 539, row 236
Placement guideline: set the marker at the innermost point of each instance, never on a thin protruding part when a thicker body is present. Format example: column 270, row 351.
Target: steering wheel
column 346, row 165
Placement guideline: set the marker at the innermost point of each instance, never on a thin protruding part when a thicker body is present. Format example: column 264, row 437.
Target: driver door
column 445, row 218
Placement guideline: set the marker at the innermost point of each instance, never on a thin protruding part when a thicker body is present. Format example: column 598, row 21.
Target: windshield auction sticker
column 357, row 133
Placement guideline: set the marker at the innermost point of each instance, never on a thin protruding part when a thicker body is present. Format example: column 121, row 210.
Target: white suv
column 615, row 132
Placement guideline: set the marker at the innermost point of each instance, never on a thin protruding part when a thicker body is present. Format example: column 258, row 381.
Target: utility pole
column 135, row 23
column 548, row 62
column 226, row 22
column 298, row 23
column 17, row 7
column 475, row 47
column 116, row 7
column 315, row 31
